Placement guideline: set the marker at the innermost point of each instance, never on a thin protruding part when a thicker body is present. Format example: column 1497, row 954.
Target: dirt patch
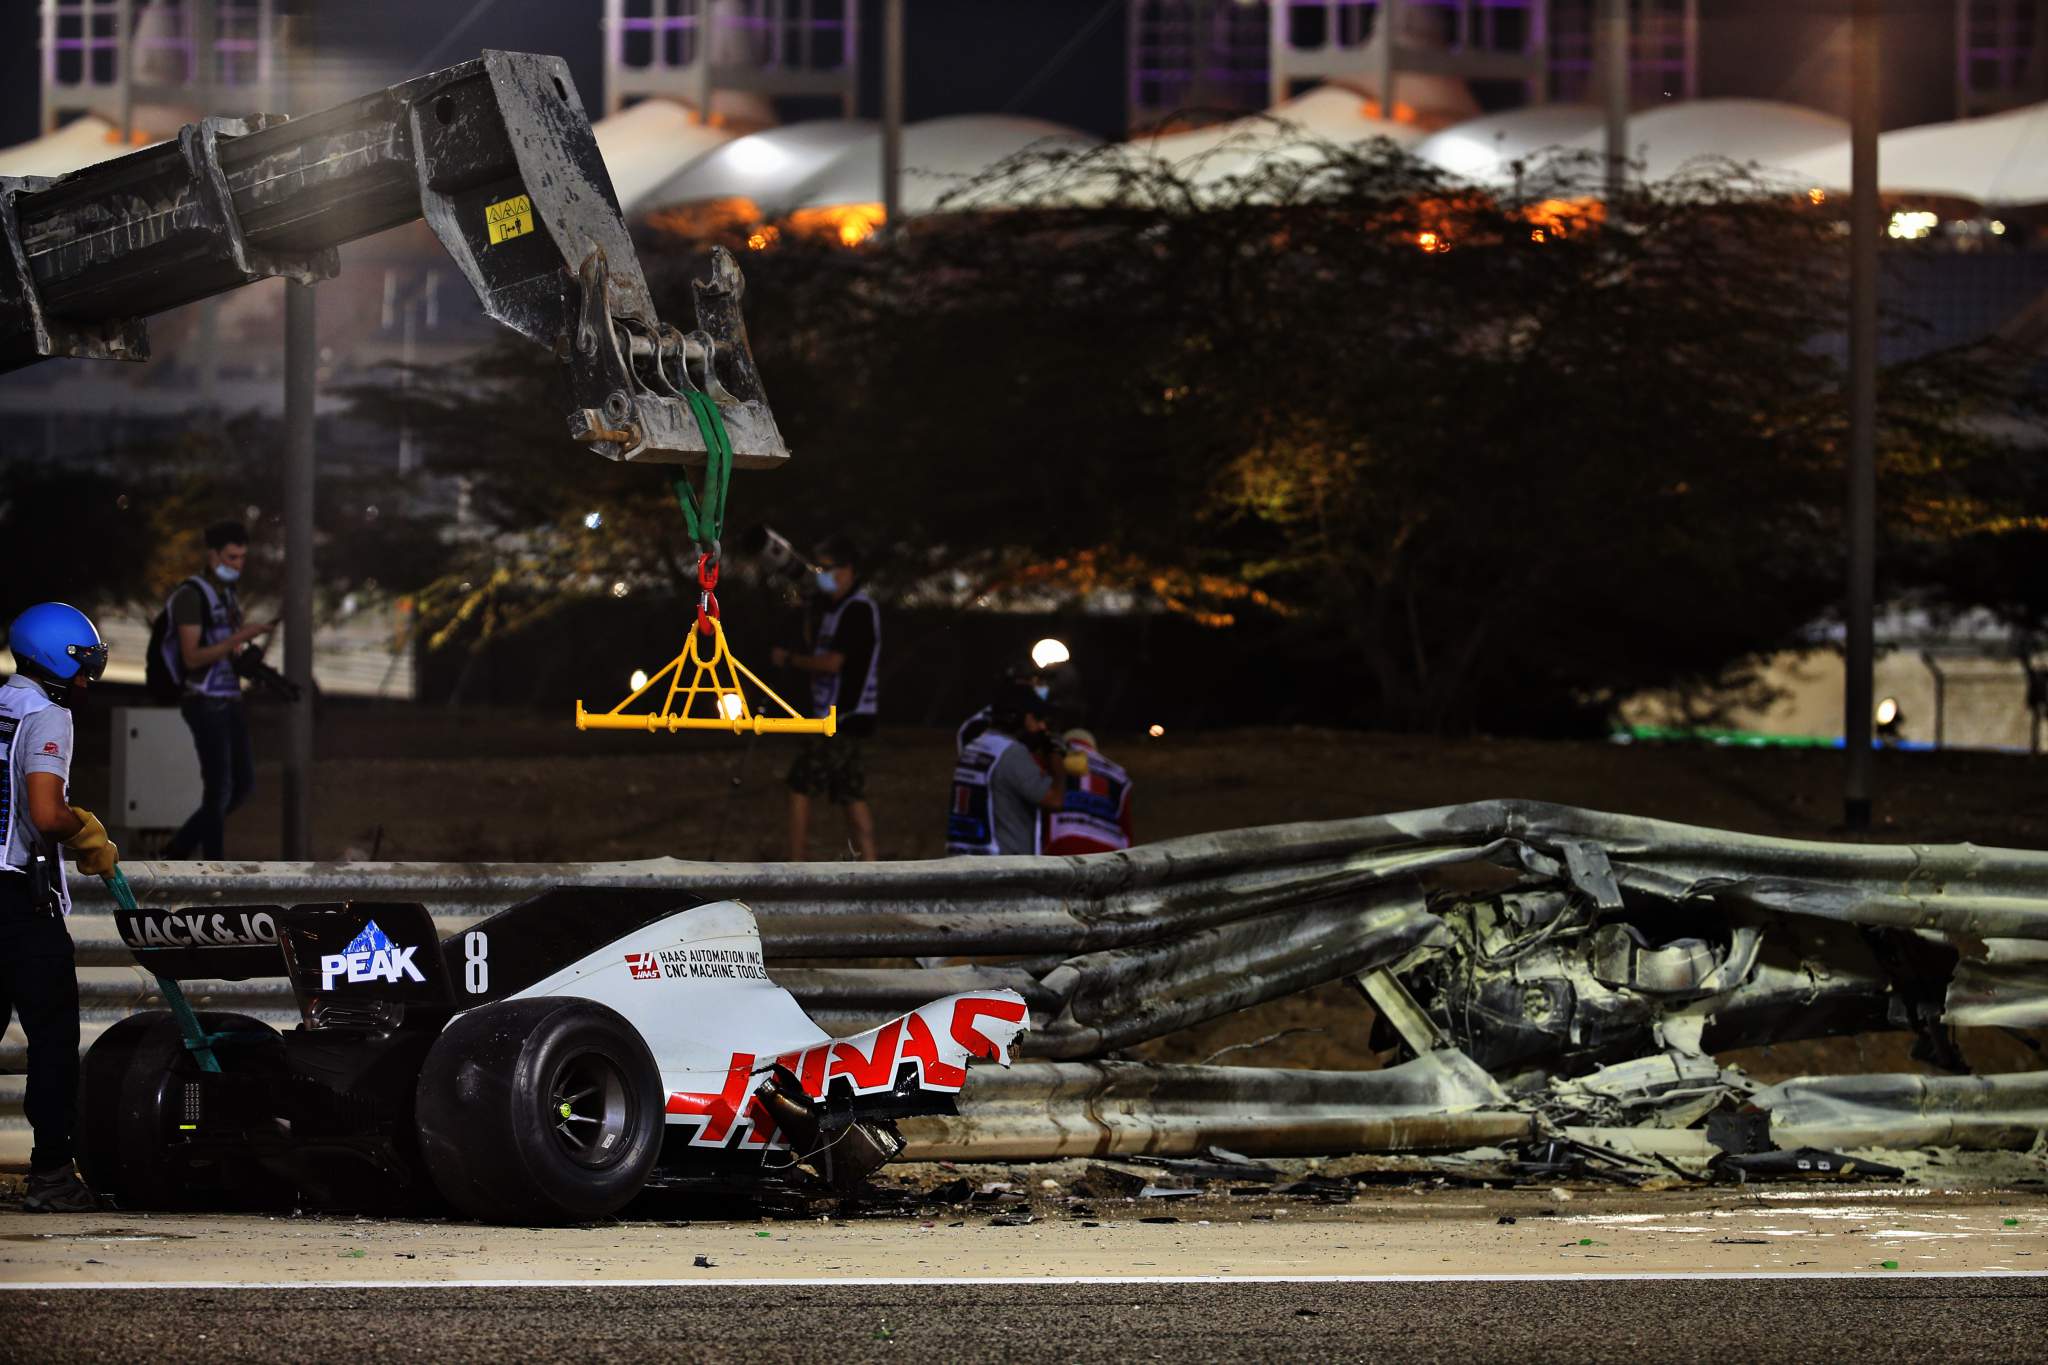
column 513, row 785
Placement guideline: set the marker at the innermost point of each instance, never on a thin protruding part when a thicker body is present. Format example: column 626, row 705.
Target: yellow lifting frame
column 730, row 709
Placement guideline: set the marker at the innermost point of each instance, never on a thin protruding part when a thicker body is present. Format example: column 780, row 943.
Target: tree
column 1497, row 460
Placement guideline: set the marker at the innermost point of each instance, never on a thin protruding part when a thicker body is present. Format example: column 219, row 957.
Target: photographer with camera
column 200, row 649
column 1002, row 778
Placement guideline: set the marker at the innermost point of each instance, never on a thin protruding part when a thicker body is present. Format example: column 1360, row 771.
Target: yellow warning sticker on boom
column 509, row 218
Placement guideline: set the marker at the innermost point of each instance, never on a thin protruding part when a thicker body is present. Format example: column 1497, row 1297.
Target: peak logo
column 370, row 956
column 643, row 966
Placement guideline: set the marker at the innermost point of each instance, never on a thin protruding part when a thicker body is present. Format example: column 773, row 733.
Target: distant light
column 1817, row 195
column 1912, row 224
column 1888, row 711
column 619, row 588
column 592, row 520
column 638, row 680
column 756, row 156
column 370, row 512
column 733, row 704
column 1048, row 652
column 1431, row 241
column 763, row 238
column 1536, row 236
column 1997, row 228
column 1157, row 731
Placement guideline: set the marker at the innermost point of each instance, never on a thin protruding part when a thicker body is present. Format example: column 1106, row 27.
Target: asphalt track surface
column 1864, row 1318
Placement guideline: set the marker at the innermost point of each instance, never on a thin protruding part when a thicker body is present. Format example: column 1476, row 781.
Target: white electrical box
column 156, row 770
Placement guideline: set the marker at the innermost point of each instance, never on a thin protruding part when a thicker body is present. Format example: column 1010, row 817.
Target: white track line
column 971, row 1281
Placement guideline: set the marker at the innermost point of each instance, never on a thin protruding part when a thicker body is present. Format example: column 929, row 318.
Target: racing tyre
column 540, row 1111
column 130, row 1101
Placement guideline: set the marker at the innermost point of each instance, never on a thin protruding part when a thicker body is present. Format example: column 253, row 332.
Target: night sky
column 987, row 55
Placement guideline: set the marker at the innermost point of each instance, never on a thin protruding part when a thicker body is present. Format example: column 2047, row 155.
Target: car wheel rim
column 590, row 1108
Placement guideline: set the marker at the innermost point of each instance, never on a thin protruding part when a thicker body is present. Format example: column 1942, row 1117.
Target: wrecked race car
column 544, row 1065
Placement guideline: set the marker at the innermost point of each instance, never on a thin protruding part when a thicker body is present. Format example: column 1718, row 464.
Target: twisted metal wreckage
column 1546, row 973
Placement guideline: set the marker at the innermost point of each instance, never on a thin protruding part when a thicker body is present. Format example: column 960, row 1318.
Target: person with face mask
column 206, row 633
column 843, row 629
column 57, row 655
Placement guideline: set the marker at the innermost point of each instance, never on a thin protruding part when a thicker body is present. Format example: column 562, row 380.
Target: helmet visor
column 92, row 660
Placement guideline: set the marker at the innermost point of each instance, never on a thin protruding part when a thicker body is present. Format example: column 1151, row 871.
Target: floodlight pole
column 892, row 112
column 1614, row 86
column 1390, row 77
column 1857, row 686
column 301, row 357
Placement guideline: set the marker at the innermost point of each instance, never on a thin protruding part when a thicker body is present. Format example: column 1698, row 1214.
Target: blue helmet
column 56, row 645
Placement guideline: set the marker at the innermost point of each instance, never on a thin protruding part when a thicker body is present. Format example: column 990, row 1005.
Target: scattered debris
column 1107, row 1182
column 1739, row 1132
column 1216, row 1163
column 703, row 1263
column 1318, row 1187
column 1561, row 1158
column 1801, row 1163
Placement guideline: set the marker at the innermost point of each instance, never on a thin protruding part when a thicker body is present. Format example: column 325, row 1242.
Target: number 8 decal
column 476, row 953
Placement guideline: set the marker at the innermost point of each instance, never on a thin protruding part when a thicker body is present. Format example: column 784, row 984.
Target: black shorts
column 835, row 768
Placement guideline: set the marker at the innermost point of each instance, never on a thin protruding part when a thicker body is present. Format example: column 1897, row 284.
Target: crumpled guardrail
column 1993, row 903
column 1040, row 1110
column 1128, row 946
column 1909, row 1111
column 940, row 907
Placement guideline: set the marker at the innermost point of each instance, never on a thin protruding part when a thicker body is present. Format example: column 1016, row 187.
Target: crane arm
column 499, row 158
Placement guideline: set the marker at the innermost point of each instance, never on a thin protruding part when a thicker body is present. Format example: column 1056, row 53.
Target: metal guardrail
column 974, row 906
column 1119, row 948
column 1043, row 1110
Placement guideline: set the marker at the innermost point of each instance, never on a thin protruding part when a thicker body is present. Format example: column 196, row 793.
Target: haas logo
column 643, row 966
column 940, row 1039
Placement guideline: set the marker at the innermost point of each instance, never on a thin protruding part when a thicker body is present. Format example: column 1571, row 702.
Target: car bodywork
column 748, row 1085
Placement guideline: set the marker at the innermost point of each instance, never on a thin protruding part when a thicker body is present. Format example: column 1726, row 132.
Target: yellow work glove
column 1076, row 763
column 96, row 852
